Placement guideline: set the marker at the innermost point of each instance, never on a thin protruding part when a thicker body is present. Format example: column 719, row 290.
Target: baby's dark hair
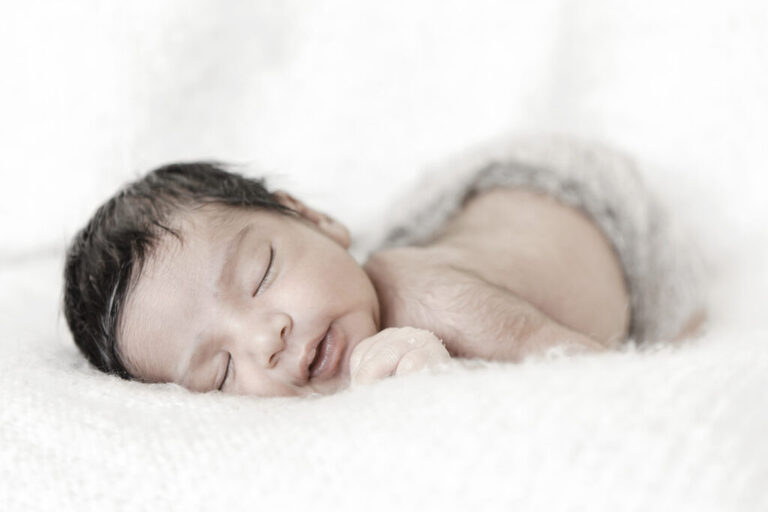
column 108, row 254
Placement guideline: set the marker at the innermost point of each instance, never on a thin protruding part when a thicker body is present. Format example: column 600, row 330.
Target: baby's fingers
column 360, row 351
column 412, row 362
column 419, row 359
column 378, row 362
column 404, row 338
column 395, row 351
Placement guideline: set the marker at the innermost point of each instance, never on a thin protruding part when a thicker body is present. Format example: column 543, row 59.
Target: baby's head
column 202, row 277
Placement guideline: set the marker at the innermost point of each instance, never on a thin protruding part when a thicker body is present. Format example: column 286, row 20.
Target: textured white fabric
column 669, row 429
column 365, row 93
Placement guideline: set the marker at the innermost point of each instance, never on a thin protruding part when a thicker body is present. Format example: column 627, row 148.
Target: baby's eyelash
column 226, row 373
column 268, row 274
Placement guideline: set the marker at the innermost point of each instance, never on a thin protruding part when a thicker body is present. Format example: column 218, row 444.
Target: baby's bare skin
column 513, row 274
column 396, row 351
column 267, row 304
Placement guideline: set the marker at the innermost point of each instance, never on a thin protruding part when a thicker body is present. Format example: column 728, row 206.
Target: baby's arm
column 474, row 318
column 491, row 323
column 520, row 330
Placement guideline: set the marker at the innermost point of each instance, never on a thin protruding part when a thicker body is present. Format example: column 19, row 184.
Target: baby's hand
column 395, row 351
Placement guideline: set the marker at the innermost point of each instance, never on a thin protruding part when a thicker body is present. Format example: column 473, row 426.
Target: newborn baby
column 200, row 276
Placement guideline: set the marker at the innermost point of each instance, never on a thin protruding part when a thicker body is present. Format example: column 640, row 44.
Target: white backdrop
column 343, row 102
column 343, row 99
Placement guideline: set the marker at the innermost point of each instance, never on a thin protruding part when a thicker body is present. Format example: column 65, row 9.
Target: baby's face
column 245, row 302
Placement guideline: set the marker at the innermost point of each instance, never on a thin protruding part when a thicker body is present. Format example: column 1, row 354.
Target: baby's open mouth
column 326, row 357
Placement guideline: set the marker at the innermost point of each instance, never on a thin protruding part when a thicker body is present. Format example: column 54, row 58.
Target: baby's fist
column 395, row 351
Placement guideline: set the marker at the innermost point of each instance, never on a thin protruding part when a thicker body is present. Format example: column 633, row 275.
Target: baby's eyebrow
column 229, row 254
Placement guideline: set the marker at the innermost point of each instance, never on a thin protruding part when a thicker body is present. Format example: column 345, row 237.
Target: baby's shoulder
column 429, row 289
column 416, row 285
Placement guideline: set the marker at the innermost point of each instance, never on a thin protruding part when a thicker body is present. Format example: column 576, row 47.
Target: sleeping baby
column 197, row 275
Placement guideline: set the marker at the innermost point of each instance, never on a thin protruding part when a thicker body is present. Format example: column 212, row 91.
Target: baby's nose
column 265, row 340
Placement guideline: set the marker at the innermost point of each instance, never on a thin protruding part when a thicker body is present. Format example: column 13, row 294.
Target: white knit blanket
column 674, row 428
column 346, row 100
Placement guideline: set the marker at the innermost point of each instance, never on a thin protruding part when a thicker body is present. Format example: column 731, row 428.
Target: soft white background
column 343, row 102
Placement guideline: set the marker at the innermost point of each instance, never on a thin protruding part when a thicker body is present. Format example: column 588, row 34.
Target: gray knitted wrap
column 660, row 267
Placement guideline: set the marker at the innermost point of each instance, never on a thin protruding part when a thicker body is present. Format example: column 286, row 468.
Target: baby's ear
column 328, row 225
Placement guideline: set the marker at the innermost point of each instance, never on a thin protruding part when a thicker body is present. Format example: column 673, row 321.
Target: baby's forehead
column 217, row 217
column 208, row 217
column 189, row 227
column 197, row 235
